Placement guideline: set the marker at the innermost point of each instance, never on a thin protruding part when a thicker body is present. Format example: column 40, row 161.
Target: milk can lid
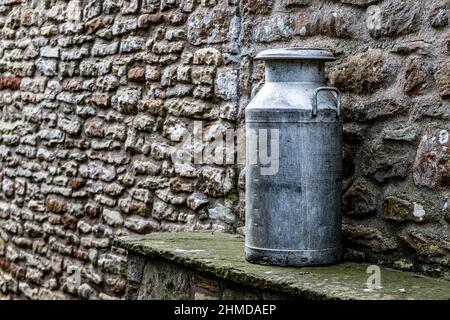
column 295, row 53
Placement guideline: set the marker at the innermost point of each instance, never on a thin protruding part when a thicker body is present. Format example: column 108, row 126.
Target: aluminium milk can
column 294, row 162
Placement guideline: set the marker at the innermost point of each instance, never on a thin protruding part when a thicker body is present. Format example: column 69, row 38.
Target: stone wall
column 156, row 279
column 96, row 95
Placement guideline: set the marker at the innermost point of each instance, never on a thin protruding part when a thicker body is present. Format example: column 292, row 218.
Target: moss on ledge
column 222, row 255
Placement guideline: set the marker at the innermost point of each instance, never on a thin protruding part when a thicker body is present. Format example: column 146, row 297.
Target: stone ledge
column 222, row 256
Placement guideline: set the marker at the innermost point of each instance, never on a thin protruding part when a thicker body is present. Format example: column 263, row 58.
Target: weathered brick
column 362, row 73
column 136, row 74
column 9, row 82
column 442, row 77
column 55, row 205
column 432, row 163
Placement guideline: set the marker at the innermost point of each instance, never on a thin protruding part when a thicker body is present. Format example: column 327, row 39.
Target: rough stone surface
column 9, row 82
column 400, row 209
column 439, row 16
column 383, row 162
column 370, row 237
column 442, row 77
column 431, row 244
column 325, row 24
column 360, row 2
column 416, row 75
column 407, row 134
column 95, row 96
column 361, row 198
column 432, row 164
column 398, row 18
column 363, row 73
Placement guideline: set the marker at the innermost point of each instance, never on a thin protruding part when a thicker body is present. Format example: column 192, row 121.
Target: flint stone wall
column 95, row 96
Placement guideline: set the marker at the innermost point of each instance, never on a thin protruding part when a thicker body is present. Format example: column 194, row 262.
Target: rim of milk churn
column 296, row 53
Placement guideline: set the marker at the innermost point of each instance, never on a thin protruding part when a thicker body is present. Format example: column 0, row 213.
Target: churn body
column 293, row 210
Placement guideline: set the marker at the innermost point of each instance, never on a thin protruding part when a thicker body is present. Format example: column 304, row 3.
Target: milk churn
column 294, row 162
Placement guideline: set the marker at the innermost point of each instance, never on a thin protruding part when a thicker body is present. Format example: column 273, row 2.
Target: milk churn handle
column 316, row 92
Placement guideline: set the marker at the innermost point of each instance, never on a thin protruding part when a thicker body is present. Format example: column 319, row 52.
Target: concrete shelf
column 218, row 261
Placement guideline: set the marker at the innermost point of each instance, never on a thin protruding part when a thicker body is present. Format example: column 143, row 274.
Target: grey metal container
column 293, row 216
